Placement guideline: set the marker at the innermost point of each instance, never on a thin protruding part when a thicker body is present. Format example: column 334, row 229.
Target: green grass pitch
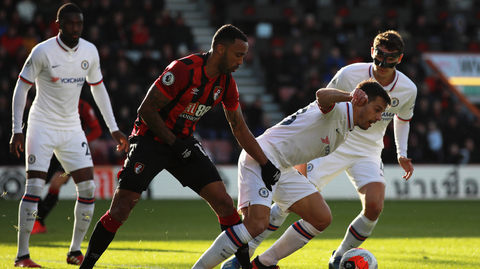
column 174, row 234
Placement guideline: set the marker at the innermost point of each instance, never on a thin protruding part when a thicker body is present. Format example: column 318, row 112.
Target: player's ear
column 221, row 49
column 57, row 23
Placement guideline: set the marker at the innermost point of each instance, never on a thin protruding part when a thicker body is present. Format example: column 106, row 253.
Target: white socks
column 83, row 212
column 358, row 231
column 27, row 213
column 294, row 238
column 224, row 246
column 277, row 217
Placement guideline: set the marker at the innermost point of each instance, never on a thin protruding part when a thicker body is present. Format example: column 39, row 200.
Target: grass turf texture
column 174, row 234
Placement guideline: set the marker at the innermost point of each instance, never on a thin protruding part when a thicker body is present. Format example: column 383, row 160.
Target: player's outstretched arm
column 244, row 136
column 326, row 98
column 406, row 164
column 270, row 173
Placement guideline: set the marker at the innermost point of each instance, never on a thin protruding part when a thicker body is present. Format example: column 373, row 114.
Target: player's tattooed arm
column 243, row 135
column 148, row 110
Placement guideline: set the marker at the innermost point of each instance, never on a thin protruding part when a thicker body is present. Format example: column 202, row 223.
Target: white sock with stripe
column 294, row 238
column 358, row 231
column 83, row 212
column 224, row 246
column 27, row 212
column 277, row 218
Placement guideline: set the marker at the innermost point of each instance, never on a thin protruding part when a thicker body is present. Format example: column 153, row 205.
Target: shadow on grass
column 53, row 245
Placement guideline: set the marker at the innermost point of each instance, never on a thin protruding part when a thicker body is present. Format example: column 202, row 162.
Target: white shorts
column 360, row 170
column 291, row 187
column 70, row 147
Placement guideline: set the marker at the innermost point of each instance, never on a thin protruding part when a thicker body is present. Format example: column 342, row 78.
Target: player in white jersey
column 314, row 131
column 360, row 155
column 59, row 67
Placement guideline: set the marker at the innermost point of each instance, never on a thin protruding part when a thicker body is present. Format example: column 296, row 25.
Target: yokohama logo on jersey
column 72, row 80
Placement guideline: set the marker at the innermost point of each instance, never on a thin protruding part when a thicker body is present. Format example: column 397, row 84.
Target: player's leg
column 372, row 196
column 74, row 155
column 84, row 208
column 277, row 217
column 106, row 228
column 56, row 177
column 227, row 243
column 37, row 162
column 217, row 197
column 27, row 214
column 310, row 206
column 367, row 176
column 143, row 163
column 255, row 212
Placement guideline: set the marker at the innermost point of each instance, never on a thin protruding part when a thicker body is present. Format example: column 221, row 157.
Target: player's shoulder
column 354, row 72
column 88, row 45
column 45, row 46
column 356, row 67
column 193, row 60
column 405, row 82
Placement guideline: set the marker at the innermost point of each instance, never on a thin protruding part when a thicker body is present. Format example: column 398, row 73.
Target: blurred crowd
column 296, row 53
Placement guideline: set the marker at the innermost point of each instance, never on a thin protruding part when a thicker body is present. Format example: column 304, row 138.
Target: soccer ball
column 358, row 258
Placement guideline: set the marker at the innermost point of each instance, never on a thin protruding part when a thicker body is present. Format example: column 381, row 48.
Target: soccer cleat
column 38, row 228
column 334, row 262
column 26, row 263
column 75, row 257
column 231, row 263
column 256, row 264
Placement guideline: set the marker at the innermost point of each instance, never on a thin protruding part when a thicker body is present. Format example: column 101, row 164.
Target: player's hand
column 359, row 97
column 17, row 144
column 270, row 174
column 406, row 164
column 122, row 141
column 185, row 150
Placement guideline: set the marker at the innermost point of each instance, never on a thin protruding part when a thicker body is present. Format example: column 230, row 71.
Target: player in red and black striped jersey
column 162, row 137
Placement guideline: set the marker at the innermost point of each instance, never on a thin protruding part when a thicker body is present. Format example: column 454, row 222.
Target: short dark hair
column 391, row 40
column 227, row 34
column 373, row 89
column 67, row 8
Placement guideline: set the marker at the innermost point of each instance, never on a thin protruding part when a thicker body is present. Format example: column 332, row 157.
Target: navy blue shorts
column 148, row 157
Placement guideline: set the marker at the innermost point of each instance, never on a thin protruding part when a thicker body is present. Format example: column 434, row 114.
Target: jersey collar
column 65, row 47
column 351, row 125
column 391, row 85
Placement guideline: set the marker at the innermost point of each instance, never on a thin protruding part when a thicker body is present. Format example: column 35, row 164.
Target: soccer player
column 59, row 66
column 162, row 136
column 56, row 174
column 360, row 155
column 314, row 131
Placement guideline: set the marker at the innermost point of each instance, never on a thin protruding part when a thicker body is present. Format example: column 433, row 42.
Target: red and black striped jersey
column 89, row 120
column 192, row 94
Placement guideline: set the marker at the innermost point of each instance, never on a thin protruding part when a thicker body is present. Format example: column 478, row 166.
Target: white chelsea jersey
column 309, row 133
column 59, row 73
column 402, row 92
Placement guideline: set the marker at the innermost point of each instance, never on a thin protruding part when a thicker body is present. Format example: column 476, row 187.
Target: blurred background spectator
column 296, row 47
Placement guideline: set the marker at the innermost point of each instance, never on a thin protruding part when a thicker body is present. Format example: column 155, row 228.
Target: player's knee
column 322, row 221
column 255, row 228
column 34, row 186
column 86, row 188
column 223, row 206
column 373, row 210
